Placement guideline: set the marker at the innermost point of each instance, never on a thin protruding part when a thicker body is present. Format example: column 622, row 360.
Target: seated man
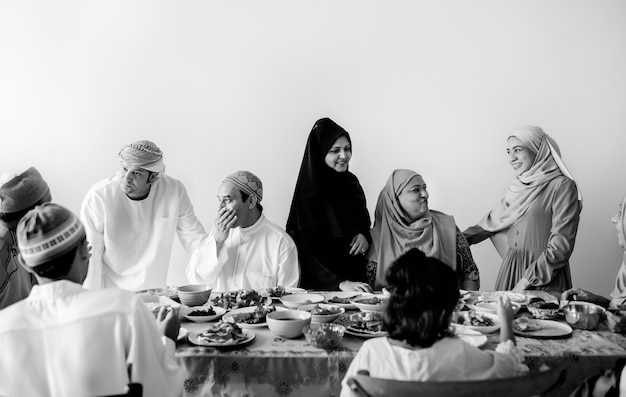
column 65, row 341
column 131, row 219
column 244, row 249
column 18, row 195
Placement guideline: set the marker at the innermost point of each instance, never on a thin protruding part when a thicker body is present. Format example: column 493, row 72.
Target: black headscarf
column 326, row 201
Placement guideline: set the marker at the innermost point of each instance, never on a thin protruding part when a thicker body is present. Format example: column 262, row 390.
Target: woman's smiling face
column 520, row 157
column 338, row 157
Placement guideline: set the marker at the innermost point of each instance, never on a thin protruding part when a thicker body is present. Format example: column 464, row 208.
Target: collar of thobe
column 54, row 290
column 6, row 237
column 254, row 227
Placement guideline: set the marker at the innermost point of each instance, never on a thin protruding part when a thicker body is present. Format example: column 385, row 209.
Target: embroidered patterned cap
column 18, row 192
column 248, row 182
column 143, row 154
column 47, row 232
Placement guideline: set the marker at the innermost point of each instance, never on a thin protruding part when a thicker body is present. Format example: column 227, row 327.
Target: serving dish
column 485, row 323
column 294, row 301
column 232, row 316
column 217, row 313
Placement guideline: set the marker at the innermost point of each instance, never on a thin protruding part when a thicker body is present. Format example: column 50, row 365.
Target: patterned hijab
column 393, row 233
column 525, row 189
column 326, row 201
column 620, row 283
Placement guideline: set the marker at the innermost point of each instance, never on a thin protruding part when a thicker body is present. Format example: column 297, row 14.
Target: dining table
column 270, row 365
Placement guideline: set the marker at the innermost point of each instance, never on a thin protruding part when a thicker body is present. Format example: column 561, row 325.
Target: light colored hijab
column 619, row 293
column 393, row 233
column 525, row 189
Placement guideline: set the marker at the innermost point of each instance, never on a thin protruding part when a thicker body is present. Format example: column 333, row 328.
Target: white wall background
column 224, row 85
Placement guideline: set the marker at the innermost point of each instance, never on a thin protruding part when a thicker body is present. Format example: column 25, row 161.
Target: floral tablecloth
column 273, row 366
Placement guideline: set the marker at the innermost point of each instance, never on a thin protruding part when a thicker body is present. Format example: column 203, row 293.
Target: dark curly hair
column 424, row 292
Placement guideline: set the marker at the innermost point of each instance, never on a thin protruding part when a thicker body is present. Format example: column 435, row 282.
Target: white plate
column 247, row 336
column 491, row 307
column 289, row 291
column 229, row 316
column 366, row 335
column 370, row 307
column 513, row 296
column 470, row 336
column 343, row 295
column 483, row 329
column 549, row 330
column 201, row 319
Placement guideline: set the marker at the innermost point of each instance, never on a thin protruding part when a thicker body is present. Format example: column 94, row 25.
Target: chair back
column 530, row 384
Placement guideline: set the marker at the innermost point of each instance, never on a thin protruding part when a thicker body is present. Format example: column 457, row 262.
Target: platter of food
column 482, row 322
column 541, row 329
column 155, row 302
column 370, row 303
column 221, row 334
column 278, row 292
column 238, row 299
column 201, row 314
column 250, row 317
column 363, row 324
column 342, row 298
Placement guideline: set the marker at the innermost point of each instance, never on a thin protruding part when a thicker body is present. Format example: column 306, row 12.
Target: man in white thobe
column 131, row 220
column 244, row 249
column 65, row 341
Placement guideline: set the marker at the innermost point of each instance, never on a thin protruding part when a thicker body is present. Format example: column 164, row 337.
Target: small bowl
column 194, row 295
column 294, row 301
column 323, row 318
column 324, row 335
column 583, row 315
column 362, row 303
column 543, row 313
column 185, row 312
column 288, row 323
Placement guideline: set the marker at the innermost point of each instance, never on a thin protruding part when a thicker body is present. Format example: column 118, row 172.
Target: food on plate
column 222, row 332
column 258, row 316
column 371, row 301
column 544, row 305
column 276, row 292
column 203, row 312
column 156, row 306
column 366, row 322
column 317, row 310
column 524, row 324
column 475, row 319
column 238, row 299
column 336, row 299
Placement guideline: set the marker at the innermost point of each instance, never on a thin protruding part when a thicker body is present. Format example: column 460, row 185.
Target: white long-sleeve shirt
column 132, row 240
column 259, row 256
column 448, row 359
column 66, row 341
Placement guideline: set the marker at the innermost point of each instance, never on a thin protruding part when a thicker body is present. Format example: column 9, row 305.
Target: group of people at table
column 71, row 324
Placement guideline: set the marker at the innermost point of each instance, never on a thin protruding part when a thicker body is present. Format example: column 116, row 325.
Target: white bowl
column 362, row 303
column 194, row 294
column 323, row 318
column 288, row 323
column 185, row 312
column 294, row 301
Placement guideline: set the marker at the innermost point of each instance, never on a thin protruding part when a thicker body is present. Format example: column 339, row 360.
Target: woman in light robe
column 534, row 226
column 403, row 221
column 328, row 220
